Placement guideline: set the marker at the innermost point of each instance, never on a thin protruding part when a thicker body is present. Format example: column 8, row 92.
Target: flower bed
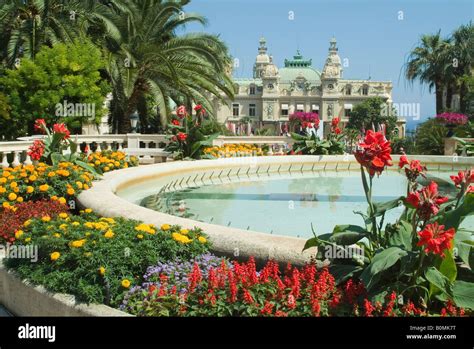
column 215, row 287
column 233, row 150
column 95, row 258
column 30, row 182
column 109, row 160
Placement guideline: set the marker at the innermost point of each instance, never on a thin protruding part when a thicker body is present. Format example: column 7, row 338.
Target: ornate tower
column 262, row 60
column 330, row 76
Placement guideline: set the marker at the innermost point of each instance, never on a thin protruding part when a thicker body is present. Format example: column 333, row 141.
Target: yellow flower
column 46, row 218
column 79, row 184
column 109, row 234
column 70, row 191
column 13, row 184
column 78, row 243
column 102, row 271
column 18, row 234
column 125, row 283
column 88, row 210
column 55, row 255
column 19, row 199
column 57, row 235
column 63, row 215
column 30, row 189
column 44, row 187
column 165, row 227
column 184, row 231
column 54, row 197
column 27, row 239
column 140, row 236
column 6, row 205
column 51, row 174
column 12, row 196
column 106, row 168
column 62, row 201
column 147, row 228
column 183, row 239
column 63, row 226
column 27, row 223
column 202, row 239
column 86, row 186
column 76, row 224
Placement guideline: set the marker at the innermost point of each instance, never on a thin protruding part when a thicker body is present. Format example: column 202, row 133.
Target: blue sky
column 369, row 34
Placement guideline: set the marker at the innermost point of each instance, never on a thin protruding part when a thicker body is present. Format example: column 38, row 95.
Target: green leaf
column 437, row 279
column 381, row 207
column 313, row 242
column 343, row 272
column 56, row 158
column 347, row 234
column 463, row 245
column 453, row 218
column 381, row 262
column 463, row 294
column 87, row 167
column 401, row 235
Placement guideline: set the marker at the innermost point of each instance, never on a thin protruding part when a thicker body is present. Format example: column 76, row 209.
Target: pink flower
column 181, row 111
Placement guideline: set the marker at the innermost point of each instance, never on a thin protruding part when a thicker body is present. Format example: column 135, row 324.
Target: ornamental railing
column 14, row 153
column 452, row 145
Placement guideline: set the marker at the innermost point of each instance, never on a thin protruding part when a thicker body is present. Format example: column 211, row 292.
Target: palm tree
column 430, row 63
column 150, row 58
column 26, row 25
column 463, row 52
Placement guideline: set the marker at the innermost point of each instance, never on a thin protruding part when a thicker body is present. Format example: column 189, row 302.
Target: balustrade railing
column 142, row 145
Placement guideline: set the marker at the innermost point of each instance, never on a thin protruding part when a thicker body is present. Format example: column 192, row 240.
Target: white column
column 16, row 158
column 5, row 163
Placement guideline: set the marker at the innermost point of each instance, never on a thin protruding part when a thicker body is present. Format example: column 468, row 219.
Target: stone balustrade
column 15, row 153
column 451, row 144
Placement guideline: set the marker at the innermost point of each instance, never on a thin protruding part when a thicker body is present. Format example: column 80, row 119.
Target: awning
column 300, row 106
column 285, row 106
column 347, row 106
column 315, row 107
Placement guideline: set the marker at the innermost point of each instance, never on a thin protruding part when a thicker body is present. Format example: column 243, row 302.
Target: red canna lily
column 426, row 200
column 62, row 129
column 40, row 124
column 374, row 152
column 463, row 177
column 181, row 111
column 435, row 239
column 182, row 136
column 403, row 161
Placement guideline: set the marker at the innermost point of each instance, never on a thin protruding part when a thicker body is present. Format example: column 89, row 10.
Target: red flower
column 335, row 122
column 435, row 239
column 426, row 200
column 267, row 308
column 182, row 136
column 181, row 111
column 199, row 109
column 369, row 308
column 40, row 124
column 464, row 179
column 36, row 150
column 175, row 122
column 62, row 129
column 403, row 161
column 374, row 152
column 414, row 169
column 470, row 189
column 337, row 130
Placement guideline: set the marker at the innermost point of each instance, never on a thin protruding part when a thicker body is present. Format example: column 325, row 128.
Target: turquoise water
column 289, row 206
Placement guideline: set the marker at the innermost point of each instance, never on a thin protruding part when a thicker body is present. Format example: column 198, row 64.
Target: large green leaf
column 347, row 234
column 381, row 207
column 463, row 245
column 381, row 262
column 453, row 218
column 438, row 280
column 447, row 267
column 343, row 272
column 463, row 294
column 400, row 235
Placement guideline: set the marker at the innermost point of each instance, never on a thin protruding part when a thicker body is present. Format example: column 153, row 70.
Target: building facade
column 269, row 97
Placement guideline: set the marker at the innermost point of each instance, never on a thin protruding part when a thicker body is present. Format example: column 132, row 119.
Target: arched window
column 348, row 90
column 365, row 90
column 252, row 89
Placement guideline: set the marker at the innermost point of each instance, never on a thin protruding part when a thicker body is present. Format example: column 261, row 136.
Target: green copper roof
column 298, row 66
column 298, row 61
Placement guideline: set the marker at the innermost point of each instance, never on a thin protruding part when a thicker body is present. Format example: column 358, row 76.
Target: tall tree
column 26, row 25
column 150, row 58
column 430, row 63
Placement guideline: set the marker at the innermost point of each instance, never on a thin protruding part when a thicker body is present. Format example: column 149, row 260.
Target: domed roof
column 298, row 67
column 262, row 58
column 309, row 73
